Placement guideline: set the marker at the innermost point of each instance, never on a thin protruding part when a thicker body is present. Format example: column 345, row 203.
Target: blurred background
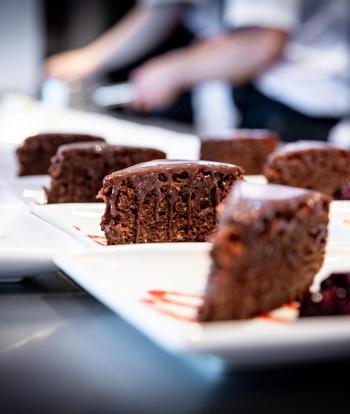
column 254, row 64
column 32, row 30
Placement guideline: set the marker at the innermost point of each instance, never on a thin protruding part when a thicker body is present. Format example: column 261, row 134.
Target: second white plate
column 27, row 244
column 158, row 288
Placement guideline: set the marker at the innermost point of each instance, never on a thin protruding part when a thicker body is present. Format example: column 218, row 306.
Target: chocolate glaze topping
column 315, row 165
column 68, row 137
column 99, row 147
column 242, row 134
column 305, row 146
column 154, row 175
column 171, row 167
column 247, row 200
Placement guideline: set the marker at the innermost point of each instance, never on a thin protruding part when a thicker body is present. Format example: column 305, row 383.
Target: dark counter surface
column 61, row 351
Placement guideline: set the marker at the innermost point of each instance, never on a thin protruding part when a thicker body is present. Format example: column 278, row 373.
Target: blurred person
column 292, row 58
column 140, row 32
column 288, row 61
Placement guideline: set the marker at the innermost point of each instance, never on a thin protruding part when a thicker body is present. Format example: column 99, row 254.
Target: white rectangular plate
column 158, row 288
column 339, row 228
column 27, row 244
column 256, row 179
column 82, row 221
column 28, row 189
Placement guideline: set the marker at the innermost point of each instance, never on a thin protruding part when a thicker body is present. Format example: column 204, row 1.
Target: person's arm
column 144, row 28
column 238, row 57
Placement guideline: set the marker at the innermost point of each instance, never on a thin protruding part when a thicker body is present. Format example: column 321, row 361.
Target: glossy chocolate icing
column 62, row 137
column 167, row 166
column 235, row 134
column 248, row 200
column 99, row 147
column 315, row 165
column 295, row 147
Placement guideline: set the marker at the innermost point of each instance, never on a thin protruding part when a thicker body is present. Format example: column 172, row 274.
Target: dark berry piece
column 333, row 298
column 343, row 193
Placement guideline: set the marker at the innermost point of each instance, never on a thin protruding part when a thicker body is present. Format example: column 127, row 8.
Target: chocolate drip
column 192, row 174
column 141, row 188
column 214, row 187
column 140, row 199
column 159, row 193
column 171, row 205
column 113, row 203
column 145, row 185
column 216, row 193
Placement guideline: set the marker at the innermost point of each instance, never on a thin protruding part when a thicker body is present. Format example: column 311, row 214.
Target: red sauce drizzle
column 274, row 318
column 293, row 305
column 160, row 297
column 163, row 296
column 280, row 319
column 98, row 239
column 157, row 299
column 167, row 312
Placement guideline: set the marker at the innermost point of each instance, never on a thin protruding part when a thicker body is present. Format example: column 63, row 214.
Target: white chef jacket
column 313, row 76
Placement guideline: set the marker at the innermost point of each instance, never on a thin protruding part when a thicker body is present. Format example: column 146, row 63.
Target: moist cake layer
column 313, row 165
column 35, row 153
column 244, row 147
column 77, row 170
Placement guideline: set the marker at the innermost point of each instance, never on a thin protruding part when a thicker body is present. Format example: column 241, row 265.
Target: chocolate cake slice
column 248, row 148
column 269, row 245
column 35, row 153
column 313, row 165
column 165, row 200
column 77, row 170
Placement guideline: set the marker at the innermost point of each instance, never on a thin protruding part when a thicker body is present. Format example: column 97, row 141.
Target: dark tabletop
column 61, row 351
